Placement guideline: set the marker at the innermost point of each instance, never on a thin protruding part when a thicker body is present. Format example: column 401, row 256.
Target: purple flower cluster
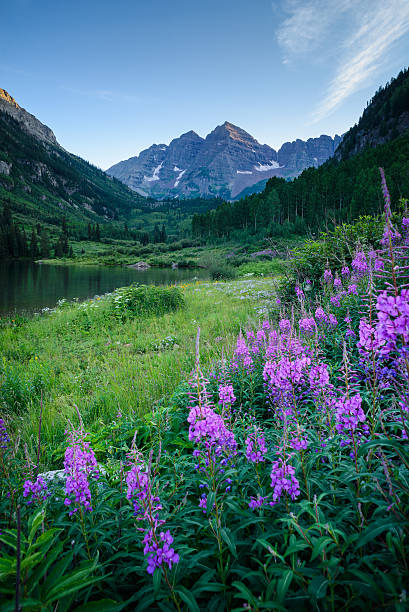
column 138, row 491
column 349, row 414
column 226, row 394
column 146, row 508
column 327, row 278
column 79, row 464
column 299, row 443
column 242, row 352
column 256, row 448
column 393, row 320
column 307, row 325
column 159, row 550
column 360, row 264
column 4, row 437
column 208, row 427
column 283, row 480
column 320, row 316
column 256, row 502
column 37, row 490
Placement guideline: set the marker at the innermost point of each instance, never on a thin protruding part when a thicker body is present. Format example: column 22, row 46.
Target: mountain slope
column 43, row 182
column 224, row 164
column 385, row 118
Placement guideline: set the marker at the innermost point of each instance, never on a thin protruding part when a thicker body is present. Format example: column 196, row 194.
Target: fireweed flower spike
column 256, row 447
column 283, row 480
column 79, row 464
column 4, row 437
column 147, row 507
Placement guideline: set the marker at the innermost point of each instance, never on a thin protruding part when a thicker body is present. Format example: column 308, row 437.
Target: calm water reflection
column 28, row 287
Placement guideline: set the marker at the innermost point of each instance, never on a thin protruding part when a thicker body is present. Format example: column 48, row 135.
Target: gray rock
column 139, row 265
column 5, row 168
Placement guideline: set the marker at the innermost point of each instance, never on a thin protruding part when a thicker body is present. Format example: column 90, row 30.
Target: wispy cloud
column 359, row 33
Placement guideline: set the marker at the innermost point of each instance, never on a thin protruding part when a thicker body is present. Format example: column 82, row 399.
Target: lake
column 27, row 287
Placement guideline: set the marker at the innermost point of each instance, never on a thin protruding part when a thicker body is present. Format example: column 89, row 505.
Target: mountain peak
column 191, row 134
column 4, row 95
column 235, row 133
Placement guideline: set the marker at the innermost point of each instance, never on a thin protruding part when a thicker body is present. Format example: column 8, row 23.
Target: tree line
column 337, row 191
column 15, row 243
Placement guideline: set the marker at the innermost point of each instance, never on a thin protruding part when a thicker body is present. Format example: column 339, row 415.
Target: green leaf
column 35, row 523
column 211, row 498
column 226, row 535
column 293, row 548
column 320, row 546
column 372, row 532
column 245, row 592
column 156, row 579
column 318, row 587
column 188, row 598
column 284, row 584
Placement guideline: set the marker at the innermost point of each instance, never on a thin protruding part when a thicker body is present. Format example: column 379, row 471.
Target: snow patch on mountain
column 244, row 172
column 265, row 167
column 179, row 177
column 155, row 176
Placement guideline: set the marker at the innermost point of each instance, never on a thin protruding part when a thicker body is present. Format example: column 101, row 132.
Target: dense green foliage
column 319, row 198
column 382, row 118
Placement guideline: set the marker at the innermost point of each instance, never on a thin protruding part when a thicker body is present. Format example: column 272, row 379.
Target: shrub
column 139, row 300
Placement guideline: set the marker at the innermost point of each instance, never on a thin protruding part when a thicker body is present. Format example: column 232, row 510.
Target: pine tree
column 33, row 244
column 163, row 234
column 156, row 234
column 44, row 244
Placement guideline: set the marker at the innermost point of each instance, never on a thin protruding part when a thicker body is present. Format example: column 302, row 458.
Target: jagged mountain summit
column 225, row 163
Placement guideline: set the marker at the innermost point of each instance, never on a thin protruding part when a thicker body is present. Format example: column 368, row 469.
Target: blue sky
column 111, row 78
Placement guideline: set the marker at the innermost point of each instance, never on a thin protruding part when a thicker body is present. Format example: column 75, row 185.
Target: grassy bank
column 85, row 355
column 184, row 253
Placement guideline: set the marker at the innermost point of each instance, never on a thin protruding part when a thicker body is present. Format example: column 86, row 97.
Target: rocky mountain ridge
column 224, row 164
column 41, row 181
column 28, row 122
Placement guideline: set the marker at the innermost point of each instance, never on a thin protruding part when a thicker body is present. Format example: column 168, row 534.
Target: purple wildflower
column 256, row 502
column 285, row 325
column 327, row 276
column 79, row 464
column 349, row 413
column 283, row 480
column 332, row 320
column 307, row 325
column 360, row 264
column 299, row 292
column 256, row 447
column 320, row 315
column 159, row 550
column 226, row 394
column 4, row 437
column 38, row 490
